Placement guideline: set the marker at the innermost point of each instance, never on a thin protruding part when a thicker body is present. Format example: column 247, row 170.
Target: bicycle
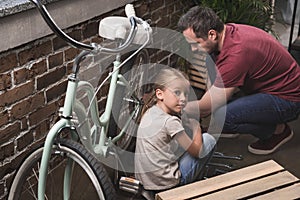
column 76, row 143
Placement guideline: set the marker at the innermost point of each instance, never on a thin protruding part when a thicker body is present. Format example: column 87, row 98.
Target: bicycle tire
column 89, row 179
column 123, row 108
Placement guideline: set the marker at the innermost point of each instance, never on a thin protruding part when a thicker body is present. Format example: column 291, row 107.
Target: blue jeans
column 257, row 114
column 192, row 168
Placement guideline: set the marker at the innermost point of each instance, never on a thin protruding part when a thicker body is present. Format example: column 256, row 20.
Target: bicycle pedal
column 129, row 185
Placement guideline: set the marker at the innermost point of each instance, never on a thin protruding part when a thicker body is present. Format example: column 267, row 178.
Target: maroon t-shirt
column 256, row 62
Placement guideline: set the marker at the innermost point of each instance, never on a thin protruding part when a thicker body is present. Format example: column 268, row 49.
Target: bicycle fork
column 62, row 123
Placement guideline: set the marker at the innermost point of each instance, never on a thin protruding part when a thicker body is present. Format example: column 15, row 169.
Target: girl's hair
column 161, row 81
column 201, row 20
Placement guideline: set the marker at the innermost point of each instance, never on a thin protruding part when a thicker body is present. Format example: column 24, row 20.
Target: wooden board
column 253, row 187
column 221, row 182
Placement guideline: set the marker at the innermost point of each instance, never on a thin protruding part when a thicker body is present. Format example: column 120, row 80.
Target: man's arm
column 213, row 98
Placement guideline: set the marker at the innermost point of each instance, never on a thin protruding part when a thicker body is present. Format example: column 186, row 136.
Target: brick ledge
column 10, row 7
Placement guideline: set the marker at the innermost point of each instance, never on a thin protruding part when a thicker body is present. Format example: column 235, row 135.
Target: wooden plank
column 197, row 79
column 220, row 181
column 198, row 63
column 200, row 55
column 198, row 73
column 253, row 187
column 291, row 192
column 198, row 85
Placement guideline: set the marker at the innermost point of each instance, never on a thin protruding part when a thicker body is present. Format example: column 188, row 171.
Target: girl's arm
column 192, row 146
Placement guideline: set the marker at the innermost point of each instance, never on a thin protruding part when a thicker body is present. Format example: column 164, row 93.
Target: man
column 251, row 60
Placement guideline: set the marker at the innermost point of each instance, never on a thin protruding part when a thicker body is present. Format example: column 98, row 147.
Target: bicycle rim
column 89, row 178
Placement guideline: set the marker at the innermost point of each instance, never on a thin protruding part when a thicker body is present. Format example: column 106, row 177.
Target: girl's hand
column 190, row 140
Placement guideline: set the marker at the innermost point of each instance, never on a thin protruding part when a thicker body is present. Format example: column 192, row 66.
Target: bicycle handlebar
column 50, row 22
column 93, row 47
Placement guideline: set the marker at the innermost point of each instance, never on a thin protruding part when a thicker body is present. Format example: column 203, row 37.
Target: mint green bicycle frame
column 72, row 105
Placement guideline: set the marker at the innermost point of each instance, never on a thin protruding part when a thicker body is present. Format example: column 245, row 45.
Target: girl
column 165, row 155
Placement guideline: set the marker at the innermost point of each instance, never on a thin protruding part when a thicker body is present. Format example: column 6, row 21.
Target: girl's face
column 173, row 98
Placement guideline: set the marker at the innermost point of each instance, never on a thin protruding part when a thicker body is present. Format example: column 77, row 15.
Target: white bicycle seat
column 118, row 28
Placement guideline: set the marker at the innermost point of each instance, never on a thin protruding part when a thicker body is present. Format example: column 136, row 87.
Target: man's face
column 208, row 45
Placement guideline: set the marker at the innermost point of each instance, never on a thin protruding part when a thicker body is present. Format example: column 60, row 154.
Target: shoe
column 229, row 135
column 264, row 147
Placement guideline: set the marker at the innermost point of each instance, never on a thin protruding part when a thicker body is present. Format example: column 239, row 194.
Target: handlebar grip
column 129, row 11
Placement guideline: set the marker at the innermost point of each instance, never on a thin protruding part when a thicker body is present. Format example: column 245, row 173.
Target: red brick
column 58, row 43
column 170, row 2
column 21, row 75
column 55, row 60
column 25, row 74
column 170, row 10
column 70, row 54
column 38, row 68
column 51, row 77
column 56, row 91
column 69, row 67
column 42, row 114
column 35, row 52
column 7, row 150
column 90, row 30
column 10, row 167
column 42, row 129
column 27, row 106
column 163, row 21
column 9, row 132
column 5, row 81
column 16, row 94
column 154, row 5
column 8, row 62
column 143, row 11
column 24, row 141
column 4, row 118
column 75, row 34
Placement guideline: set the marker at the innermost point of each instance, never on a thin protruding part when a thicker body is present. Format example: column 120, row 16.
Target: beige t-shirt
column 157, row 152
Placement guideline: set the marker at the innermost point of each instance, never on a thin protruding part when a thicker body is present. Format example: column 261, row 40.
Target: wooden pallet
column 198, row 72
column 266, row 180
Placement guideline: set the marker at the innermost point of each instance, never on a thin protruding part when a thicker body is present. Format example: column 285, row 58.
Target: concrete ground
column 287, row 155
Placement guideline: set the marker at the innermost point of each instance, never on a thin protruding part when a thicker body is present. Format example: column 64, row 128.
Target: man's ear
column 159, row 94
column 212, row 34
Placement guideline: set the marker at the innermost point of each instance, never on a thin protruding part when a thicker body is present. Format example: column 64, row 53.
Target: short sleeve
column 174, row 126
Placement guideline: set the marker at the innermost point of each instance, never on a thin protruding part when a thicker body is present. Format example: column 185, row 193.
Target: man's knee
column 223, row 119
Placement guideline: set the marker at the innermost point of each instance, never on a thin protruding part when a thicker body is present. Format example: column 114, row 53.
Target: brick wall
column 33, row 82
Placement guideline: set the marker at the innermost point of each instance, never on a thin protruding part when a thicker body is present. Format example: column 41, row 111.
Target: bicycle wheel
column 89, row 179
column 128, row 102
